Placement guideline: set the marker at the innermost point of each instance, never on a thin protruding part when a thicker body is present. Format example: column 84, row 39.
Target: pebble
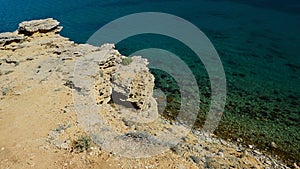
column 220, row 154
column 31, row 163
column 250, row 146
column 223, row 142
column 239, row 140
column 257, row 152
column 274, row 145
column 195, row 159
column 268, row 162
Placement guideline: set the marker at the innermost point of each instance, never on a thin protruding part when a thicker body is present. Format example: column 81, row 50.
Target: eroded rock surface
column 134, row 82
column 42, row 25
column 9, row 37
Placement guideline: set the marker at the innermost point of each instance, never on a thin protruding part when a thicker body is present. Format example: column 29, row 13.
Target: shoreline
column 34, row 68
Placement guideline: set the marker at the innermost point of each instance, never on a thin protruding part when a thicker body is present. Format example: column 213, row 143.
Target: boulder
column 42, row 25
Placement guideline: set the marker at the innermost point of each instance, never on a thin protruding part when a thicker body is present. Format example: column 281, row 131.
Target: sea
column 258, row 43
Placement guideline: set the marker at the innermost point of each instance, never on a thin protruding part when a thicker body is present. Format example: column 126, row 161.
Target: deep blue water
column 258, row 42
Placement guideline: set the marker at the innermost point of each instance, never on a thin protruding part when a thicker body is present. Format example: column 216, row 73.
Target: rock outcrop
column 134, row 82
column 128, row 85
column 9, row 37
column 42, row 25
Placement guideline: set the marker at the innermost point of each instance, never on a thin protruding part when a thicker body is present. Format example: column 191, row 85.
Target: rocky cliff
column 41, row 129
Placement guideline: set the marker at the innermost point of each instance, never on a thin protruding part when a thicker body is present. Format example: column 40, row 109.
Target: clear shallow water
column 258, row 42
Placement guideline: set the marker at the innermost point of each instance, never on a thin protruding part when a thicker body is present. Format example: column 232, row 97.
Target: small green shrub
column 69, row 84
column 126, row 61
column 82, row 144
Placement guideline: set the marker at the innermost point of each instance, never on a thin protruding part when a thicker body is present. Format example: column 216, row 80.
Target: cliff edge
column 40, row 127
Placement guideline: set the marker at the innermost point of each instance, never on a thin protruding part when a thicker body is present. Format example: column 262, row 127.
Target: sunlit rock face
column 134, row 82
column 42, row 25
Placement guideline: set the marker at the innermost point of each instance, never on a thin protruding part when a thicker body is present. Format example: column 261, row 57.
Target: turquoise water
column 258, row 42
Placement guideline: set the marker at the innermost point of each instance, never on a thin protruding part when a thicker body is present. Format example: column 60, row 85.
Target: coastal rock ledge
column 41, row 129
column 42, row 25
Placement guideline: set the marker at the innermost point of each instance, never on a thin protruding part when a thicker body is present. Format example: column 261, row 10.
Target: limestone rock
column 42, row 25
column 195, row 159
column 273, row 145
column 134, row 82
column 106, row 68
column 9, row 37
